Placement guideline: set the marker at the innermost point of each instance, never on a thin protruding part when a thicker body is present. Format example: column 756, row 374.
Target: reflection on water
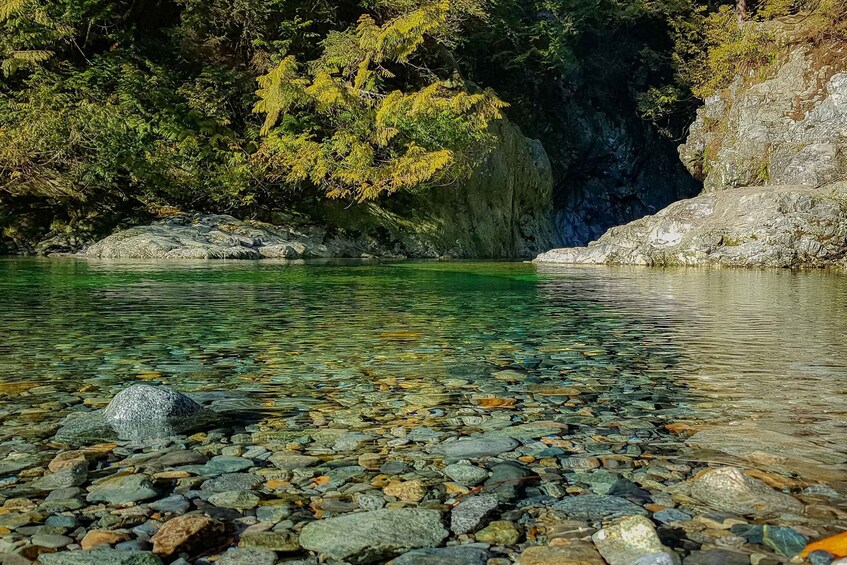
column 357, row 342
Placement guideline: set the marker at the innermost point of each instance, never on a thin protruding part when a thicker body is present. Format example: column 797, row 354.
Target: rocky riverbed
column 498, row 480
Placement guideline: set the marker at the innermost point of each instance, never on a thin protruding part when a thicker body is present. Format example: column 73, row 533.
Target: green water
column 345, row 344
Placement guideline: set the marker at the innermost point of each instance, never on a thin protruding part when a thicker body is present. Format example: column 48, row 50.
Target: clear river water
column 666, row 353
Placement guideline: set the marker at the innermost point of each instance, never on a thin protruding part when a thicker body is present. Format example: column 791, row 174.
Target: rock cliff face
column 773, row 157
column 503, row 211
column 621, row 170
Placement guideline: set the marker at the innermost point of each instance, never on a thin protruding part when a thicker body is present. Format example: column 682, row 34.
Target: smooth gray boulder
column 365, row 537
column 138, row 412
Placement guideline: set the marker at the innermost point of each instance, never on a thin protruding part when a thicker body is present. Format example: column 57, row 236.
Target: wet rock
column 748, row 440
column 456, row 555
column 282, row 541
column 594, row 507
column 500, row 532
column 140, row 406
column 100, row 557
column 671, row 515
column 236, row 499
column 223, row 464
column 51, row 541
column 70, row 476
column 578, row 553
column 232, row 481
column 290, row 461
column 629, row 540
column 471, row 512
column 411, row 491
column 247, row 556
column 122, row 489
column 716, row 557
column 468, row 475
column 508, row 480
column 187, row 534
column 730, row 490
column 475, row 448
column 175, row 504
column 371, row 536
column 96, row 538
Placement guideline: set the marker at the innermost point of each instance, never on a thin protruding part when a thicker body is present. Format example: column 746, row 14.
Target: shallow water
column 605, row 350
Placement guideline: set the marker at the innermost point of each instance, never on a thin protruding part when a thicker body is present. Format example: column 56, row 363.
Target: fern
column 9, row 8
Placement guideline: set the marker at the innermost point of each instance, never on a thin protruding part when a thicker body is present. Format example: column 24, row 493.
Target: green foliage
column 346, row 128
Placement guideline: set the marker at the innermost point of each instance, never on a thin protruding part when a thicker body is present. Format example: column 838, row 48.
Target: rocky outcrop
column 785, row 226
column 773, row 159
column 504, row 210
column 790, row 129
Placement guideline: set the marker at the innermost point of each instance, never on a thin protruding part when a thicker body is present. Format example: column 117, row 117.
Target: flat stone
column 237, row 499
column 532, row 430
column 595, row 507
column 410, row 491
column 247, row 556
column 716, row 557
column 187, row 534
column 226, row 464
column 631, row 539
column 283, row 541
column 290, row 461
column 96, row 538
column 175, row 504
column 468, row 475
column 455, row 555
column 730, row 490
column 578, row 553
column 51, row 541
column 370, row 536
column 508, row 480
column 100, row 557
column 69, row 476
column 671, row 515
column 501, row 532
column 471, row 512
column 122, row 489
column 475, row 448
column 232, row 481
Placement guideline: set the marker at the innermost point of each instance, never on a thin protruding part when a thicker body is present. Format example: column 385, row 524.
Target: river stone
column 71, row 476
column 716, row 557
column 222, row 464
column 730, row 490
column 508, row 480
column 100, row 557
column 283, row 541
column 52, row 541
column 236, row 499
column 470, row 514
column 474, row 448
column 742, row 441
column 457, row 555
column 532, row 430
column 145, row 405
column 176, row 504
column 630, row 540
column 247, row 556
column 364, row 537
column 593, row 507
column 123, row 489
column 501, row 532
column 232, row 481
column 187, row 534
column 468, row 475
column 577, row 553
column 289, row 461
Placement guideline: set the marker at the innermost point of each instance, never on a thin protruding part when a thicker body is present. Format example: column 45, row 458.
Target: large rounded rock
column 365, row 537
column 728, row 489
column 145, row 404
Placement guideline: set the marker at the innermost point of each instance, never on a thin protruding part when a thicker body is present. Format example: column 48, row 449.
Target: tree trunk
column 741, row 10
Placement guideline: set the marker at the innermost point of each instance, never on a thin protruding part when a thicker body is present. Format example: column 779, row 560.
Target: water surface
column 609, row 351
